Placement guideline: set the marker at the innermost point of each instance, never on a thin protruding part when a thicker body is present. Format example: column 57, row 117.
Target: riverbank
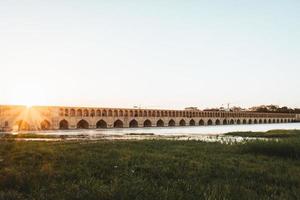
column 150, row 169
column 230, row 137
column 267, row 134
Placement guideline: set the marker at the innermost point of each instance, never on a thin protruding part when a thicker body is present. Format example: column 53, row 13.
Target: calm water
column 175, row 131
column 203, row 133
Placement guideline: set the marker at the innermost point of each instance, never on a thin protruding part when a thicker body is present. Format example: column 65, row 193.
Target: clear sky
column 154, row 54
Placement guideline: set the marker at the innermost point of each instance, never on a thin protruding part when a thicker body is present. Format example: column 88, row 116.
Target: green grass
column 268, row 134
column 152, row 169
column 286, row 148
column 281, row 143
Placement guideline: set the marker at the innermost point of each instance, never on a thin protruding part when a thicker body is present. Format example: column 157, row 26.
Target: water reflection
column 203, row 133
column 173, row 131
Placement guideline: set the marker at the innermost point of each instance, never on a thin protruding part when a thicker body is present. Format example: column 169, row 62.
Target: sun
column 28, row 103
column 28, row 106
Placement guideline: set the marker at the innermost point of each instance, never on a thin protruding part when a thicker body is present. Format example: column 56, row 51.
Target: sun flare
column 28, row 106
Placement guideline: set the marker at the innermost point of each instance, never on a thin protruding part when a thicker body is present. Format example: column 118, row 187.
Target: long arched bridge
column 54, row 118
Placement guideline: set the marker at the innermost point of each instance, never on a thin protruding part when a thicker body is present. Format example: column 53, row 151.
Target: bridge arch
column 85, row 113
column 158, row 113
column 79, row 113
column 45, row 125
column 22, row 125
column 104, row 113
column 255, row 121
column 118, row 124
column 209, row 122
column 238, row 121
column 72, row 113
column 260, row 121
column 201, row 122
column 244, row 121
column 66, row 112
column 98, row 113
column 116, row 113
column 110, row 113
column 126, row 113
column 224, row 122
column 92, row 113
column 145, row 114
column 133, row 124
column 82, row 124
column 147, row 123
column 231, row 122
column 101, row 124
column 182, row 123
column 218, row 122
column 192, row 122
column 250, row 121
column 171, row 123
column 130, row 113
column 63, row 125
column 160, row 123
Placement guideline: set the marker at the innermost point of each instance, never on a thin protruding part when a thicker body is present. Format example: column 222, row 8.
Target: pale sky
column 153, row 54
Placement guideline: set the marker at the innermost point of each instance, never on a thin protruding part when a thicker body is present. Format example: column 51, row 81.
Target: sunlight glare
column 28, row 106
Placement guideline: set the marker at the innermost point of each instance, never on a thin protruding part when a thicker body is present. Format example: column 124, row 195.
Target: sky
column 152, row 54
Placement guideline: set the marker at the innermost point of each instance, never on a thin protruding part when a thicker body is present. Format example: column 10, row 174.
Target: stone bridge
column 54, row 118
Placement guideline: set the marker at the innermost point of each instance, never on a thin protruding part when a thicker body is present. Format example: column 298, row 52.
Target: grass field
column 150, row 169
column 268, row 134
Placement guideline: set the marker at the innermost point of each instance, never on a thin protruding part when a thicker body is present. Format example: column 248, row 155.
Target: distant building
column 191, row 108
column 237, row 109
column 212, row 109
column 222, row 109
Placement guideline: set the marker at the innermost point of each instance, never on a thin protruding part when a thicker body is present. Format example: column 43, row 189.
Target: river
column 187, row 130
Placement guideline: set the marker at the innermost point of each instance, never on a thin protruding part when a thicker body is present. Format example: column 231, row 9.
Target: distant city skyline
column 157, row 54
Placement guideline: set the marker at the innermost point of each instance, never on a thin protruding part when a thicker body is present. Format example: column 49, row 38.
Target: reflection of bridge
column 47, row 118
